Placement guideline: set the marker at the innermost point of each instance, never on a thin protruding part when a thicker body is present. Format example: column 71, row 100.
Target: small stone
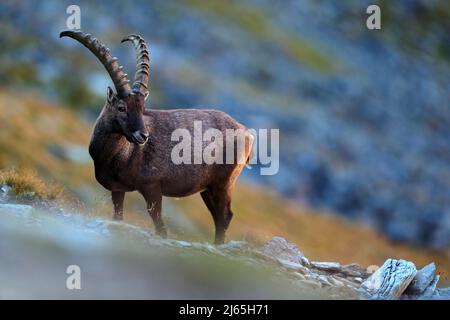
column 279, row 248
column 299, row 276
column 428, row 292
column 311, row 283
column 372, row 268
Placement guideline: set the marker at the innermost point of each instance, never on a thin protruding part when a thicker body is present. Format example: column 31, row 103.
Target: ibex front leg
column 153, row 196
column 117, row 199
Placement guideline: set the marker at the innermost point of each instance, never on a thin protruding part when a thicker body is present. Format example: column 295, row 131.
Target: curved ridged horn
column 142, row 64
column 103, row 54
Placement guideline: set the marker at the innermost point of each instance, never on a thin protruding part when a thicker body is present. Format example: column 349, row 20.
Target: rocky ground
column 118, row 260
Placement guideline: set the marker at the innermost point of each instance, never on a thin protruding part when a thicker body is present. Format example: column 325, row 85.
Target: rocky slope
column 118, row 260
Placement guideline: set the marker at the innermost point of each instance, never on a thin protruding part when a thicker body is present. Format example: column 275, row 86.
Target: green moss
column 26, row 185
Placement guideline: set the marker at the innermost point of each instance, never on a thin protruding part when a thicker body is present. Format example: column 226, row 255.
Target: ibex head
column 124, row 109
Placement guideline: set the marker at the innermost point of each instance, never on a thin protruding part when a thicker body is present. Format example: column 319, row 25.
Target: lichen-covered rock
column 279, row 248
column 391, row 280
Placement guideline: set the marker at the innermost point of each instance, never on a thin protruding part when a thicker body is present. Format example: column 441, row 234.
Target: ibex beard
column 131, row 146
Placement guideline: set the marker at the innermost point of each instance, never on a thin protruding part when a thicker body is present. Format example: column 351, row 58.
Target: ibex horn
column 103, row 54
column 142, row 64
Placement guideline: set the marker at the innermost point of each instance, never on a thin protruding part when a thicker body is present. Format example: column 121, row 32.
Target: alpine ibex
column 131, row 145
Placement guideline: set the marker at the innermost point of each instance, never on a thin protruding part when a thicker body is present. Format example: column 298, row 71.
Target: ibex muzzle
column 131, row 145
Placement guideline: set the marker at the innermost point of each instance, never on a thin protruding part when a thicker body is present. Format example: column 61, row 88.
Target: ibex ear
column 111, row 96
column 146, row 95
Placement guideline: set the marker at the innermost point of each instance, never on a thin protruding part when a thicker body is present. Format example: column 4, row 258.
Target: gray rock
column 441, row 294
column 429, row 291
column 311, row 284
column 335, row 282
column 422, row 280
column 72, row 152
column 4, row 193
column 327, row 266
column 391, row 280
column 352, row 270
column 426, row 294
column 279, row 248
column 4, row 189
column 182, row 243
column 325, row 280
column 293, row 266
column 234, row 245
column 16, row 209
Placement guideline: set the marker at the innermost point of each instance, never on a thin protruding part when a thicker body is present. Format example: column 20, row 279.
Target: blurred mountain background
column 363, row 115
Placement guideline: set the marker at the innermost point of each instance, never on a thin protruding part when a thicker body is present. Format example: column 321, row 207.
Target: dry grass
column 26, row 185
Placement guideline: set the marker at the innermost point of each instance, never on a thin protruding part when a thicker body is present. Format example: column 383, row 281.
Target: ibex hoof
column 162, row 233
column 118, row 217
column 219, row 241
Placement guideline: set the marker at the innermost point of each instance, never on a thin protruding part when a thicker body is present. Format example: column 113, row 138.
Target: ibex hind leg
column 153, row 197
column 117, row 199
column 218, row 202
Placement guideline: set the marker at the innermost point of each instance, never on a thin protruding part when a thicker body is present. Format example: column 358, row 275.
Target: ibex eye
column 122, row 109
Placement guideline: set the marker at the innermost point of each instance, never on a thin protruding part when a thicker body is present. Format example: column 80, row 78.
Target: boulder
column 280, row 249
column 422, row 280
column 16, row 209
column 391, row 280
